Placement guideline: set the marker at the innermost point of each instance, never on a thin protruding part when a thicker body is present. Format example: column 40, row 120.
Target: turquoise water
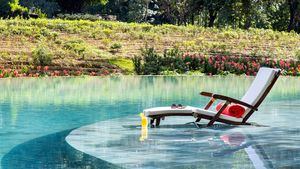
column 37, row 114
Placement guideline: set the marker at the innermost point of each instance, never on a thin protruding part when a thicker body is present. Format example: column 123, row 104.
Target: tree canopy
column 282, row 15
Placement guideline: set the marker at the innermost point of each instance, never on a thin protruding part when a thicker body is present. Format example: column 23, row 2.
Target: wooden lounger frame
column 213, row 98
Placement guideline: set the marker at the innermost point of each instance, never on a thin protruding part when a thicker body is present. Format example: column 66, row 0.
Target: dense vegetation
column 72, row 47
column 162, row 36
column 271, row 14
column 174, row 62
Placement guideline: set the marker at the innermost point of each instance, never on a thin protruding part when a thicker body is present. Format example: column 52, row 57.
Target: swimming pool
column 36, row 115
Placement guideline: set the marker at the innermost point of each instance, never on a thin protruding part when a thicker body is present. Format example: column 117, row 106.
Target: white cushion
column 212, row 114
column 168, row 110
column 187, row 110
column 259, row 85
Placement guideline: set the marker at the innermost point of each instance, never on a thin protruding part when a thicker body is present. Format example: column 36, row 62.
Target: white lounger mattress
column 168, row 110
column 189, row 110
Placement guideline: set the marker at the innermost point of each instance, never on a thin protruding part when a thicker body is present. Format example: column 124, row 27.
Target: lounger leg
column 198, row 119
column 157, row 122
column 152, row 123
column 210, row 123
column 196, row 124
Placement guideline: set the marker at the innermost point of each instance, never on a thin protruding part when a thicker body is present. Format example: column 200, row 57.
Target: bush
column 83, row 50
column 42, row 56
column 42, row 8
column 79, row 16
column 152, row 62
column 298, row 54
column 78, row 46
column 137, row 62
column 174, row 61
column 116, row 46
column 4, row 8
column 17, row 10
column 38, row 12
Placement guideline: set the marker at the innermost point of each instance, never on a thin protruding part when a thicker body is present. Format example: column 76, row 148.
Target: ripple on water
column 175, row 145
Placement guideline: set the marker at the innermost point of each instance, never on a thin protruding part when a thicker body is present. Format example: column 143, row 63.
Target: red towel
column 234, row 110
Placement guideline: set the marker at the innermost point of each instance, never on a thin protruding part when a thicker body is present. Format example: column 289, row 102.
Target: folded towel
column 234, row 110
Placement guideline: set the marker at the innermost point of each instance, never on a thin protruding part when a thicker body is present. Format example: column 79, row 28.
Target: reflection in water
column 182, row 145
column 1, row 120
column 235, row 142
column 85, row 90
column 144, row 127
column 14, row 115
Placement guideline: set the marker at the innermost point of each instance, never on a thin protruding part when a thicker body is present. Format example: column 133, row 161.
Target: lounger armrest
column 222, row 97
column 232, row 100
column 207, row 94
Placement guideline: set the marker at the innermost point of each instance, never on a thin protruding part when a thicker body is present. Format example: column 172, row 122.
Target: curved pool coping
column 119, row 142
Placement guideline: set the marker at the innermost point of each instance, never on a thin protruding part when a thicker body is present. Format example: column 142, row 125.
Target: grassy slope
column 90, row 44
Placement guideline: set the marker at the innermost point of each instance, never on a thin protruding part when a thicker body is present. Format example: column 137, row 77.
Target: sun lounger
column 259, row 89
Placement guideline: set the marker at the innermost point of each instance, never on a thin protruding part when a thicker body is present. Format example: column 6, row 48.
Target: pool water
column 36, row 115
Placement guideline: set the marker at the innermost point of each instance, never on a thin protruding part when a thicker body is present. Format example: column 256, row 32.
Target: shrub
column 298, row 54
column 169, row 73
column 38, row 12
column 42, row 56
column 137, row 62
column 78, row 46
column 152, row 62
column 83, row 50
column 17, row 10
column 172, row 61
column 79, row 16
column 46, row 7
column 175, row 61
column 115, row 47
column 106, row 41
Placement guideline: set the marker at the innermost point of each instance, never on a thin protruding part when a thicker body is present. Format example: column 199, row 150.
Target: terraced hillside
column 94, row 46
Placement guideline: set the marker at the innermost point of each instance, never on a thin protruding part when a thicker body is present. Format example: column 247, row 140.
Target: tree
column 294, row 24
column 167, row 11
column 71, row 6
column 4, row 8
column 49, row 7
column 138, row 10
column 179, row 12
column 119, row 8
column 278, row 14
column 247, row 10
column 17, row 10
column 213, row 7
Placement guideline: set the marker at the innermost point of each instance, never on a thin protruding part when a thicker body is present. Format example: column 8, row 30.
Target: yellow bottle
column 144, row 127
column 144, row 121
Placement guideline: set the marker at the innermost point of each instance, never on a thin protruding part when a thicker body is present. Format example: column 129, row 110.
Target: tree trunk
column 293, row 4
column 247, row 23
column 247, row 7
column 212, row 18
column 192, row 19
column 146, row 11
